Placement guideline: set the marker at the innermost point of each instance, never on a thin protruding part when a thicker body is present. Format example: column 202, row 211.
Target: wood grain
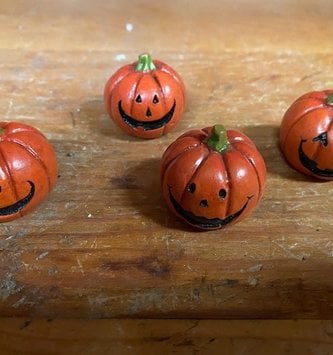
column 103, row 244
column 37, row 337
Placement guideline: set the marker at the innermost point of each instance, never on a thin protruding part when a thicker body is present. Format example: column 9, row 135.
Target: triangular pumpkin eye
column 155, row 100
column 138, row 99
column 322, row 138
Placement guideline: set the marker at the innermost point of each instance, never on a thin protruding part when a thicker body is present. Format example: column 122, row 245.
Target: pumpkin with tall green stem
column 212, row 177
column 145, row 99
column 306, row 134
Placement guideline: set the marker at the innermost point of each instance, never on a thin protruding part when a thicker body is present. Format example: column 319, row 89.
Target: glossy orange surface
column 145, row 103
column 28, row 169
column 211, row 189
column 306, row 134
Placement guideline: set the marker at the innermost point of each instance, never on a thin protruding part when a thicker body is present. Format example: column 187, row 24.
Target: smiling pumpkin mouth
column 310, row 164
column 17, row 206
column 150, row 125
column 203, row 222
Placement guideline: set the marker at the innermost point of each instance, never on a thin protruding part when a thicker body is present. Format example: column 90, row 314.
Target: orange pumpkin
column 28, row 169
column 145, row 99
column 306, row 134
column 212, row 177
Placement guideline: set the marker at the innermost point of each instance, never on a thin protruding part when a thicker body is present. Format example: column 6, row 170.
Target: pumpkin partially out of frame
column 212, row 177
column 28, row 169
column 306, row 134
column 145, row 99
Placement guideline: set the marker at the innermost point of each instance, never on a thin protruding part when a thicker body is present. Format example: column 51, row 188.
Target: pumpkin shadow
column 144, row 177
column 93, row 115
column 266, row 138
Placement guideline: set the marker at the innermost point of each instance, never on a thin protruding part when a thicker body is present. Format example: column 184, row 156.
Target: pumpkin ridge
column 240, row 139
column 10, row 178
column 204, row 159
column 168, row 70
column 158, row 82
column 36, row 157
column 330, row 125
column 309, row 97
column 108, row 91
column 228, row 182
column 193, row 134
column 283, row 145
column 255, row 171
column 10, row 133
column 136, row 84
column 166, row 166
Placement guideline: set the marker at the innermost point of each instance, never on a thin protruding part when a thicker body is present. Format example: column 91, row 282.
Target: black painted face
column 310, row 164
column 148, row 125
column 17, row 206
column 203, row 222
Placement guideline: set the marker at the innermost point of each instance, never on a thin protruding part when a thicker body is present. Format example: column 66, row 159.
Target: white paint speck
column 255, row 268
column 42, row 98
column 19, row 302
column 120, row 57
column 129, row 27
column 80, row 265
column 252, row 281
column 89, row 215
column 42, row 255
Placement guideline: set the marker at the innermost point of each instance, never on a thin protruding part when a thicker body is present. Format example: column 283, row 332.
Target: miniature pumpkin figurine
column 145, row 99
column 28, row 169
column 306, row 134
column 212, row 177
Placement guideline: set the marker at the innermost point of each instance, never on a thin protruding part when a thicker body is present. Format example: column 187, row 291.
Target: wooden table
column 103, row 244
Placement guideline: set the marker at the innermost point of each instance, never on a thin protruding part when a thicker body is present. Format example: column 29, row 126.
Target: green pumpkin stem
column 218, row 139
column 329, row 99
column 145, row 63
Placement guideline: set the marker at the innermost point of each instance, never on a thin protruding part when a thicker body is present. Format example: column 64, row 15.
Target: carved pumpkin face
column 28, row 169
column 212, row 178
column 145, row 99
column 306, row 134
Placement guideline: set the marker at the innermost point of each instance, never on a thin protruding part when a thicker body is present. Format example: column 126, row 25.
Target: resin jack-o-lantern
column 145, row 99
column 212, row 177
column 306, row 134
column 28, row 169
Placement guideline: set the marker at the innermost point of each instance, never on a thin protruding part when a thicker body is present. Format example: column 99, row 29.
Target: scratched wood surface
column 104, row 244
column 168, row 336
